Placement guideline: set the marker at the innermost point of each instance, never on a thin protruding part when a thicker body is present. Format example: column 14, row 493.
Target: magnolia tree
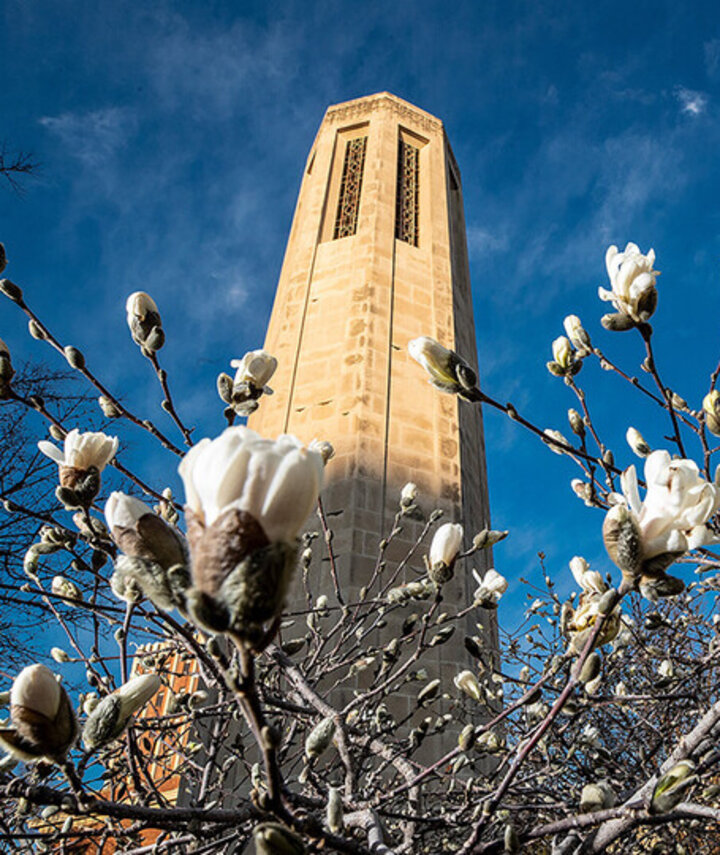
column 193, row 711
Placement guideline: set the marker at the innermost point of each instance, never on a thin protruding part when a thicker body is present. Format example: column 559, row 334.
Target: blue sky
column 172, row 138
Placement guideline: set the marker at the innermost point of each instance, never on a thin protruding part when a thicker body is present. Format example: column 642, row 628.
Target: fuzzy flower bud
column 143, row 319
column 246, row 500
column 447, row 371
column 6, row 370
column 444, row 549
column 637, row 443
column 154, row 555
column 467, row 682
column 558, row 437
column 671, row 787
column 320, row 738
column 272, row 838
column 408, row 494
column 63, row 587
column 112, row 715
column 44, row 725
column 711, row 408
column 577, row 334
column 562, row 352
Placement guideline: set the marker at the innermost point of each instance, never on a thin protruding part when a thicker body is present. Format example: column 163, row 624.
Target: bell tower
column 377, row 256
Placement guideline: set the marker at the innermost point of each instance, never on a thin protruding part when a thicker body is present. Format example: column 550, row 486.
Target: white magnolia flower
column 632, row 280
column 446, row 544
column 467, row 682
column 276, row 482
column 82, row 450
column 678, row 503
column 63, row 587
column 256, row 367
column 666, row 669
column 124, row 511
column 491, row 586
column 43, row 721
column 562, row 351
column 143, row 319
column 589, row 580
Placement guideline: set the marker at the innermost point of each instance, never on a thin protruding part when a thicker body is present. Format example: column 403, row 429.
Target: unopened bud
column 577, row 425
column 637, row 443
column 74, row 357
column 320, row 738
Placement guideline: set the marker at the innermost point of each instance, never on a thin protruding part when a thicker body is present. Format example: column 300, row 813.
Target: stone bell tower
column 376, row 256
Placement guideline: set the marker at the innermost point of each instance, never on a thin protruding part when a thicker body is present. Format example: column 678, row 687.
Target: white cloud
column 712, row 57
column 691, row 102
column 482, row 242
column 93, row 137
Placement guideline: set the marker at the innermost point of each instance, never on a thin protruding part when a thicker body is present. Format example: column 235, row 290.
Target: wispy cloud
column 692, row 103
column 481, row 242
column 93, row 137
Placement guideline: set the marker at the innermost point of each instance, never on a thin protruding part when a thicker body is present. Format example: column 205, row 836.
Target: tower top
column 382, row 101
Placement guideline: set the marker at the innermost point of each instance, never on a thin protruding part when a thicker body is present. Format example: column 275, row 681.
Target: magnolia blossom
column 276, row 482
column 448, row 372
column 632, row 280
column 637, row 442
column 408, row 494
column 43, row 722
column 444, row 549
column 246, row 500
column 256, row 367
column 467, row 682
column 323, row 448
column 711, row 409
column 562, row 352
column 124, row 511
column 589, row 580
column 109, row 718
column 577, row 333
column 669, row 521
column 82, row 450
column 491, row 587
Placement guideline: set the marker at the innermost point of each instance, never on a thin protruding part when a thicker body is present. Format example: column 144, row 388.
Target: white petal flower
column 576, row 333
column 324, row 449
column 448, row 372
column 446, row 544
column 491, row 587
column 632, row 280
column 124, row 511
column 589, row 580
column 82, row 450
column 256, row 367
column 677, row 505
column 277, row 482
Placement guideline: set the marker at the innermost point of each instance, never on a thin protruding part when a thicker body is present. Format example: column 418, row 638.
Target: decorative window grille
column 350, row 186
column 407, row 212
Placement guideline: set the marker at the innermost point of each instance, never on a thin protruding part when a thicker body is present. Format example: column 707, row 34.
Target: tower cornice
column 359, row 107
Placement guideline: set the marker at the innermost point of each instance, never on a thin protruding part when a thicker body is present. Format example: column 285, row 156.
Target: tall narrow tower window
column 350, row 187
column 407, row 212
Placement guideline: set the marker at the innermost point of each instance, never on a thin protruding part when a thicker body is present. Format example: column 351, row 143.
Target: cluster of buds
column 711, row 410
column 246, row 500
column 447, row 371
column 143, row 319
column 153, row 560
column 7, row 372
column 596, row 600
column 645, row 538
column 109, row 718
column 43, row 722
column 444, row 550
column 83, row 458
column 243, row 392
column 633, row 292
